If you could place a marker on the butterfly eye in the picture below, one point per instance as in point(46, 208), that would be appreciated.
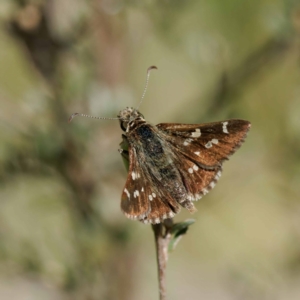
point(123, 125)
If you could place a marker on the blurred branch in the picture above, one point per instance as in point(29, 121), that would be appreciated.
point(230, 82)
point(167, 235)
point(58, 149)
point(31, 28)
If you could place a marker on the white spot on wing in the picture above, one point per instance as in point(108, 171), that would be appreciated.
point(142, 189)
point(171, 214)
point(204, 191)
point(197, 153)
point(127, 193)
point(157, 220)
point(190, 170)
point(136, 193)
point(225, 127)
point(142, 216)
point(195, 167)
point(197, 197)
point(187, 142)
point(208, 145)
point(197, 133)
point(153, 195)
point(132, 217)
point(135, 175)
point(150, 197)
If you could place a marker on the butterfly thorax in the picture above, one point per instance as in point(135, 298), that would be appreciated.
point(130, 118)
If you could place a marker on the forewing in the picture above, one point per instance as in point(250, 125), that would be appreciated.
point(143, 198)
point(207, 144)
point(200, 149)
point(134, 201)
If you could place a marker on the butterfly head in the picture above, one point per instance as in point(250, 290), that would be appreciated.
point(128, 117)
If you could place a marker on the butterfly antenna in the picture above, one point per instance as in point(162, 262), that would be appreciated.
point(146, 85)
point(88, 116)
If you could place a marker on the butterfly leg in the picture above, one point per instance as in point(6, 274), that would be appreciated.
point(123, 150)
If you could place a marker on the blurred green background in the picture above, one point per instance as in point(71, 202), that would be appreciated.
point(62, 234)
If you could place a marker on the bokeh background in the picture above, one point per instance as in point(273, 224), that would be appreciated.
point(62, 234)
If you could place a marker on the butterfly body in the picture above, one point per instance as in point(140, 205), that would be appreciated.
point(172, 165)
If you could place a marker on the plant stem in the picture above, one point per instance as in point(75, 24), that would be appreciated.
point(162, 235)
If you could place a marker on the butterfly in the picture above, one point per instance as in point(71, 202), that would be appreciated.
point(171, 165)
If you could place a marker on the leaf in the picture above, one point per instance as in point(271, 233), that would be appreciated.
point(177, 231)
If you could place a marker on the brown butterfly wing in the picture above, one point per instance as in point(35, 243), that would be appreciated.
point(143, 197)
point(134, 200)
point(208, 144)
point(199, 151)
point(160, 210)
point(197, 180)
